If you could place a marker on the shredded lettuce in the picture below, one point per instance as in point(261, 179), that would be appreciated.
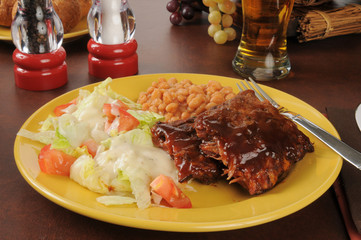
point(125, 162)
point(50, 123)
point(88, 173)
point(83, 172)
point(136, 137)
point(60, 142)
point(146, 118)
point(45, 137)
point(134, 154)
point(73, 130)
point(109, 92)
point(115, 200)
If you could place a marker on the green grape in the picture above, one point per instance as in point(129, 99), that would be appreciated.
point(231, 33)
point(209, 3)
point(227, 6)
point(220, 37)
point(213, 28)
point(214, 17)
point(215, 8)
point(227, 20)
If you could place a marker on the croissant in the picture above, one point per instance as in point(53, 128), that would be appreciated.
point(70, 12)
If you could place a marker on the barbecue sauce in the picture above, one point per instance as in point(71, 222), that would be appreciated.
point(179, 139)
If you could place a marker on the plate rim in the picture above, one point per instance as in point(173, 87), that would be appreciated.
point(174, 226)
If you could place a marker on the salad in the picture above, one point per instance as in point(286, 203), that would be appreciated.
point(102, 141)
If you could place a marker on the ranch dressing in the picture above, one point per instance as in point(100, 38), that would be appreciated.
point(141, 164)
point(137, 160)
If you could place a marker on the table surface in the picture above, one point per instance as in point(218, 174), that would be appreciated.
point(324, 73)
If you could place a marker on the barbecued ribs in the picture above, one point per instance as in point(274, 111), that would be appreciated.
point(180, 140)
point(254, 141)
point(256, 145)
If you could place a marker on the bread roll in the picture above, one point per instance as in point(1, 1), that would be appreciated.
point(84, 7)
point(70, 12)
point(6, 7)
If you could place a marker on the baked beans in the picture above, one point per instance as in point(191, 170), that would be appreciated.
point(180, 100)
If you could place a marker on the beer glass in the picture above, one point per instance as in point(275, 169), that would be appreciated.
point(262, 52)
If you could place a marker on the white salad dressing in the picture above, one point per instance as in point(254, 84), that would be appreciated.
point(139, 164)
point(75, 131)
point(92, 114)
point(151, 160)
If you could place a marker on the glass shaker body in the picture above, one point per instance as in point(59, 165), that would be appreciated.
point(36, 28)
point(111, 21)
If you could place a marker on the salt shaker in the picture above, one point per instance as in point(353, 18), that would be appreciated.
point(39, 58)
point(112, 47)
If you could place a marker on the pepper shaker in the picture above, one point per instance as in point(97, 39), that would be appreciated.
point(39, 58)
point(112, 47)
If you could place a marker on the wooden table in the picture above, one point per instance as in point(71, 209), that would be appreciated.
point(324, 73)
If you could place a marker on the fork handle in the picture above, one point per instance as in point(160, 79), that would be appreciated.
point(344, 150)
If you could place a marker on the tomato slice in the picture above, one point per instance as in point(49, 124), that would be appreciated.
point(118, 118)
point(59, 110)
point(121, 105)
point(111, 109)
point(126, 121)
point(107, 110)
point(54, 161)
point(91, 145)
point(170, 192)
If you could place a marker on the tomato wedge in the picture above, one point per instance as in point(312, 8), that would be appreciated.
point(54, 161)
point(118, 118)
point(91, 145)
point(170, 192)
point(111, 109)
point(59, 110)
point(126, 121)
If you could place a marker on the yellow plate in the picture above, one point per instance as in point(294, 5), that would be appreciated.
point(77, 32)
point(217, 207)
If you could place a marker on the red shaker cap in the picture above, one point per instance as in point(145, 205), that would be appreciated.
point(40, 72)
point(118, 60)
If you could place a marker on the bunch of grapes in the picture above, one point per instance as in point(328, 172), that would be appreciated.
point(220, 20)
point(179, 9)
point(183, 9)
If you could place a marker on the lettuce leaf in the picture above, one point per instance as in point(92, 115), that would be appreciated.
point(146, 118)
point(76, 132)
point(88, 173)
point(115, 200)
point(60, 142)
point(45, 137)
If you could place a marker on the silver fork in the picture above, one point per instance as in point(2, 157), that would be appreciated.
point(342, 149)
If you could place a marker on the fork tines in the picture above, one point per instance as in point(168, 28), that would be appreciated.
point(249, 86)
point(260, 94)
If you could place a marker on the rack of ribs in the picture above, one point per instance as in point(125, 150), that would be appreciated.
point(255, 144)
point(180, 140)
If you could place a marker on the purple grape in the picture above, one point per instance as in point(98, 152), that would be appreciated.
point(172, 6)
point(187, 12)
point(175, 18)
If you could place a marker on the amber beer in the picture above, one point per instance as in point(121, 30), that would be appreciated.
point(262, 52)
